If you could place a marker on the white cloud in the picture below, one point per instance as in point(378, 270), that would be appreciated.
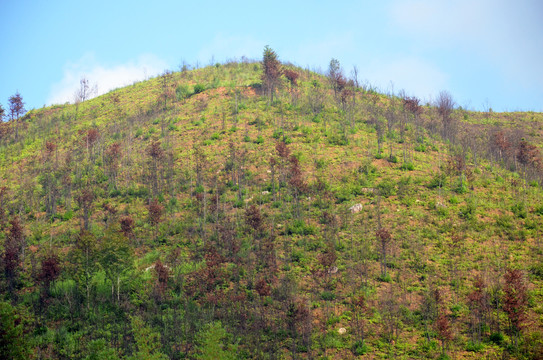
point(224, 47)
point(321, 51)
point(412, 74)
point(505, 34)
point(106, 78)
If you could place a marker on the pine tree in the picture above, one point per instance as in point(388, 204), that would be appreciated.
point(272, 72)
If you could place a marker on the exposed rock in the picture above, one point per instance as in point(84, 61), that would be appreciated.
point(356, 208)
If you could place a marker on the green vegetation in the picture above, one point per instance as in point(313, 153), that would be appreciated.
point(243, 212)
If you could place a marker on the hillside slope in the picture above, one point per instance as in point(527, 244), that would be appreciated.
point(189, 216)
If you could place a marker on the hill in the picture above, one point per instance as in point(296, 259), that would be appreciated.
point(201, 214)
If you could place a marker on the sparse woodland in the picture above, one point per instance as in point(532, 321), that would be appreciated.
point(258, 210)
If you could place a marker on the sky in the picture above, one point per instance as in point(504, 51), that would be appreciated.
point(486, 53)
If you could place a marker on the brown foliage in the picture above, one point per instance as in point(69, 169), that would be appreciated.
point(412, 105)
point(127, 226)
point(456, 164)
point(91, 137)
point(50, 270)
point(12, 250)
point(501, 141)
point(253, 218)
point(16, 106)
point(383, 235)
point(155, 212)
point(113, 153)
point(346, 94)
point(85, 200)
point(528, 154)
point(443, 328)
point(515, 298)
point(50, 148)
point(162, 275)
point(292, 77)
point(154, 150)
point(262, 287)
point(328, 258)
point(3, 192)
point(272, 71)
point(296, 179)
point(282, 149)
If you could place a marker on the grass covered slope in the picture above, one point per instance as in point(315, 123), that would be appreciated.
point(189, 216)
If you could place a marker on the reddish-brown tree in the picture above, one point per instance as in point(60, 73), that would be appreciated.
point(479, 303)
point(50, 270)
point(90, 138)
point(292, 76)
point(384, 237)
point(16, 110)
point(3, 195)
point(85, 200)
point(155, 214)
point(253, 218)
point(162, 275)
point(444, 331)
point(12, 252)
point(515, 300)
point(155, 152)
point(111, 159)
point(127, 226)
point(272, 72)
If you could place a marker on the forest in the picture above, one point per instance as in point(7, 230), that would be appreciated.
point(259, 210)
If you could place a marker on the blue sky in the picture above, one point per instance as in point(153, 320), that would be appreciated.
point(484, 52)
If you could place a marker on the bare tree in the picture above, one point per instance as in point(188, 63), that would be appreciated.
point(335, 77)
point(445, 106)
point(85, 91)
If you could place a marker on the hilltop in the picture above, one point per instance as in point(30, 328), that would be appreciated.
point(200, 214)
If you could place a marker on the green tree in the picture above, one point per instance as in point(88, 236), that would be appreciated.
point(147, 341)
point(213, 345)
point(100, 350)
point(12, 341)
point(114, 259)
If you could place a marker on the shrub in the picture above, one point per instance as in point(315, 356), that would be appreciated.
point(359, 348)
point(328, 296)
point(474, 347)
point(198, 88)
point(437, 181)
point(299, 227)
point(182, 92)
point(259, 140)
point(468, 212)
point(409, 166)
point(519, 209)
point(420, 148)
point(215, 136)
point(386, 188)
point(496, 338)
